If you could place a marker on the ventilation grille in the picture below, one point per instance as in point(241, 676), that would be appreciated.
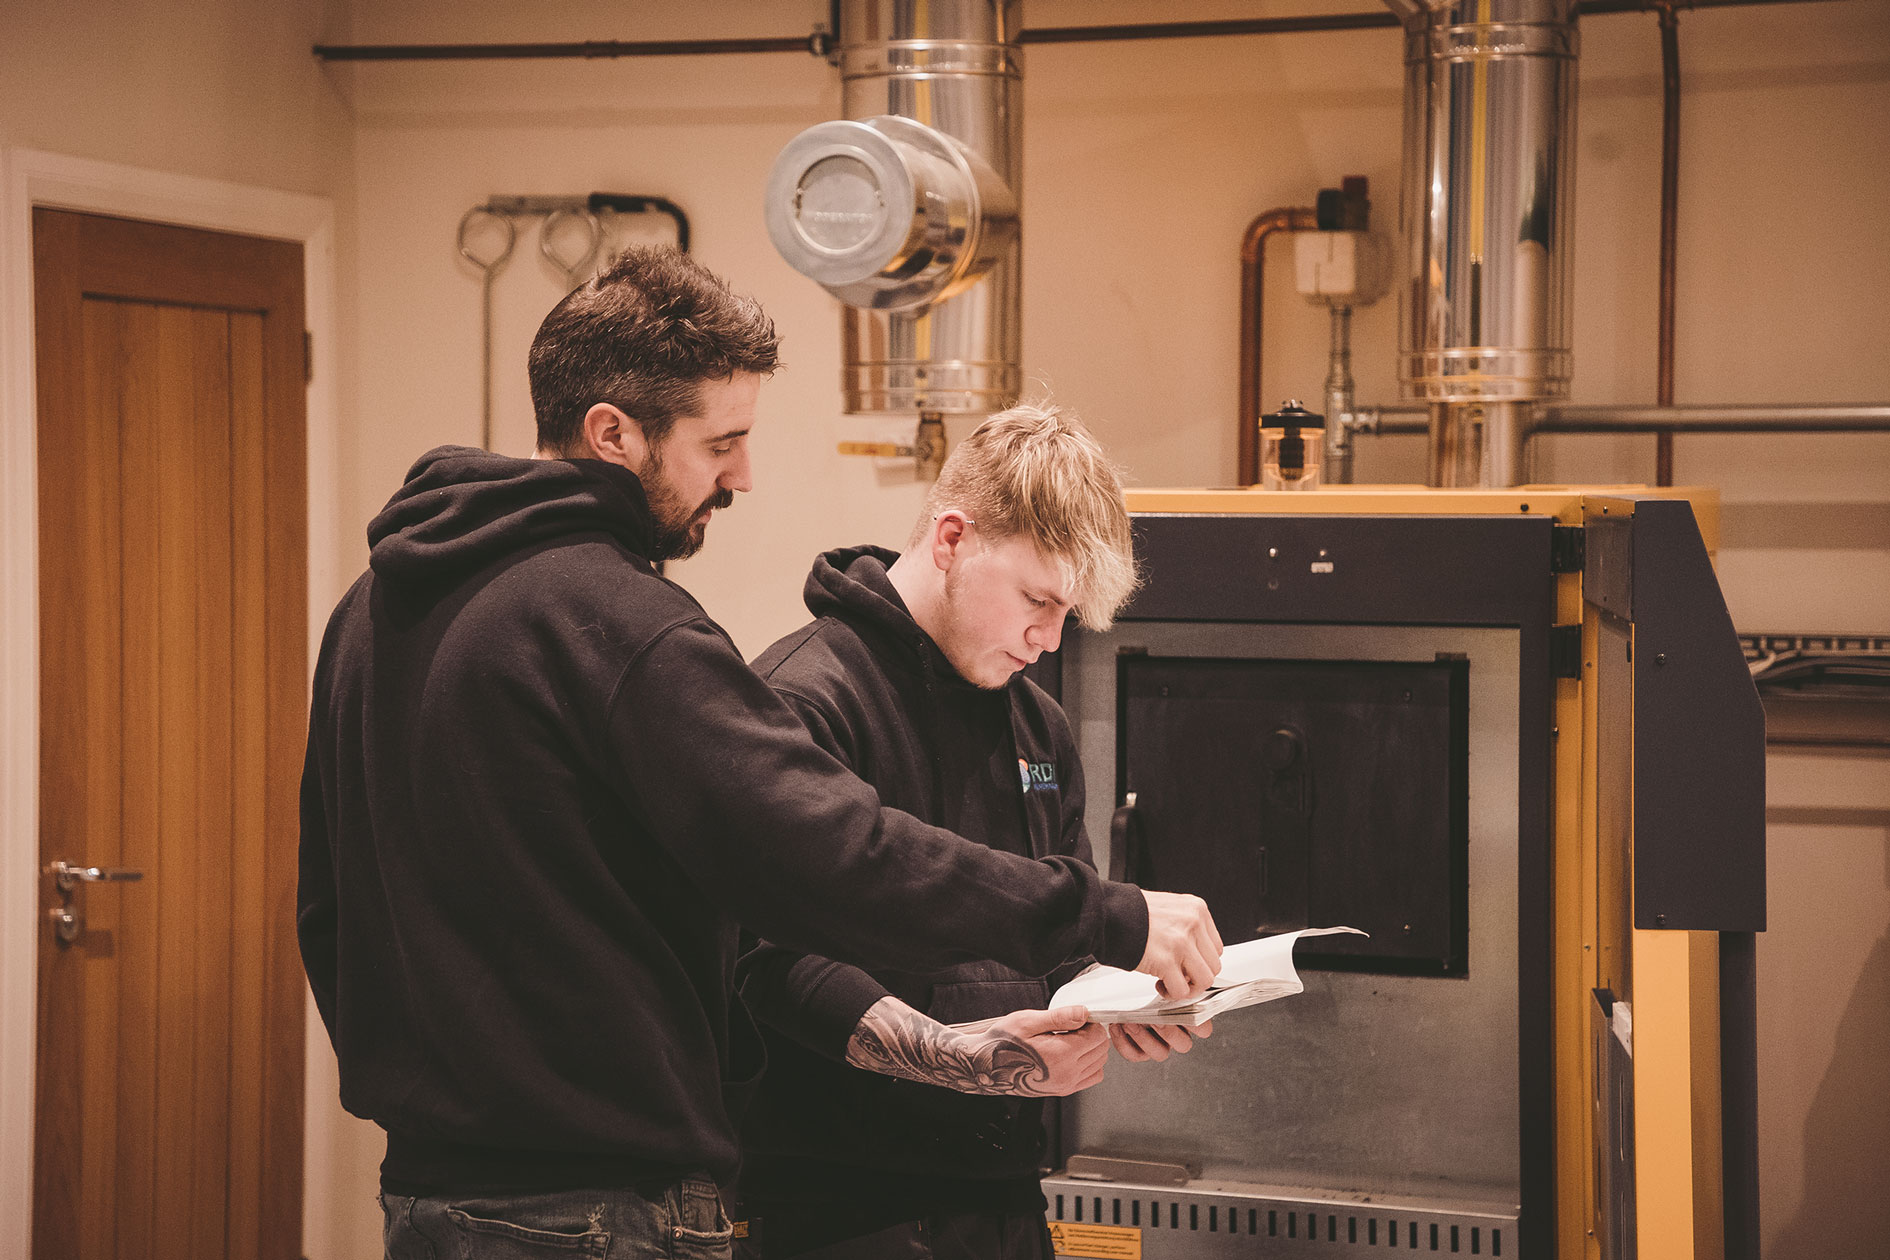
point(1759, 646)
point(1177, 1224)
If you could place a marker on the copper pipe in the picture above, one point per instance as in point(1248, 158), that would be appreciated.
point(1253, 248)
point(1669, 225)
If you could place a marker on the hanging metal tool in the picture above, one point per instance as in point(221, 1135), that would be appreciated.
point(611, 204)
point(473, 224)
point(488, 233)
point(583, 265)
point(605, 206)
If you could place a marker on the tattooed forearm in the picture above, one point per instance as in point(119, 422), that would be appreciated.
point(895, 1040)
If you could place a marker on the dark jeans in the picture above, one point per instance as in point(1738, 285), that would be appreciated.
point(946, 1236)
point(683, 1222)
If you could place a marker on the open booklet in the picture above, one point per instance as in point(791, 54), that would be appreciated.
point(1251, 972)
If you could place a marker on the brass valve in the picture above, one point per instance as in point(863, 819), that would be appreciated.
point(927, 450)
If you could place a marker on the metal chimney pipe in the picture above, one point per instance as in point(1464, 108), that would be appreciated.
point(908, 211)
point(1486, 214)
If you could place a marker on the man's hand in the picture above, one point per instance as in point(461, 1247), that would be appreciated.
point(1026, 1054)
point(1073, 1050)
point(1184, 947)
point(1139, 1043)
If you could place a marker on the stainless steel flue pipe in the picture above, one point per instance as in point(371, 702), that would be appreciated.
point(1487, 218)
point(908, 210)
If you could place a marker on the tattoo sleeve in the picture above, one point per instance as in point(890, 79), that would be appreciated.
point(895, 1040)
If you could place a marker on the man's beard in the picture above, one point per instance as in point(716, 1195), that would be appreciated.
point(678, 534)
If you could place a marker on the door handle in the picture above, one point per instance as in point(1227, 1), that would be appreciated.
point(68, 876)
point(68, 923)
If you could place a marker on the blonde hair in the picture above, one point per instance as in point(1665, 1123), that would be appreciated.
point(1037, 474)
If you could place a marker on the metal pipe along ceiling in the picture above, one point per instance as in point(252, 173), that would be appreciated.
point(1742, 418)
point(820, 43)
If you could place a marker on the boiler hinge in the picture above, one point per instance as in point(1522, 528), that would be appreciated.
point(1568, 548)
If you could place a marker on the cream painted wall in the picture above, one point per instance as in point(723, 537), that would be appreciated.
point(1824, 1008)
point(222, 90)
point(218, 89)
point(1144, 162)
point(435, 140)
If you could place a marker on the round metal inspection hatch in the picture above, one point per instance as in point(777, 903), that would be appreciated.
point(886, 213)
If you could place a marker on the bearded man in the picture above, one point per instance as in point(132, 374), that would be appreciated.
point(542, 789)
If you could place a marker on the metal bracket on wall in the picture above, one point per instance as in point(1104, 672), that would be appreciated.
point(1565, 650)
point(1568, 548)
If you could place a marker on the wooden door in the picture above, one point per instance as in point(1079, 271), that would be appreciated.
point(172, 590)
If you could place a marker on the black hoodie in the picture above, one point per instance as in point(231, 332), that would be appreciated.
point(541, 788)
point(833, 1151)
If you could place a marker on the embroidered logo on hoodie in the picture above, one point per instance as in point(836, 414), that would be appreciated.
point(1038, 776)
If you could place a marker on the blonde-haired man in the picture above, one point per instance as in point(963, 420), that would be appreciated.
point(879, 1131)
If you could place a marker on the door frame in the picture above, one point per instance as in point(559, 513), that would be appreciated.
point(30, 178)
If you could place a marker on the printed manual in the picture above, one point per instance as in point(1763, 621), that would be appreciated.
point(1251, 972)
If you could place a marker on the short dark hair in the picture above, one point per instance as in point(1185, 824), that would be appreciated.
point(643, 335)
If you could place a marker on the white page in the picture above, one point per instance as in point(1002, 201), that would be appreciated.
point(1111, 993)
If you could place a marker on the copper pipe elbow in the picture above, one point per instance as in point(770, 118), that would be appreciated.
point(1252, 275)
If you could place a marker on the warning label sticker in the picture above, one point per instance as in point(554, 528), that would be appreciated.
point(1098, 1242)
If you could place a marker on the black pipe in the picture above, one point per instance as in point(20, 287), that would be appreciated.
point(1199, 30)
point(820, 43)
point(625, 203)
point(1590, 8)
point(1739, 1091)
point(592, 49)
point(1669, 228)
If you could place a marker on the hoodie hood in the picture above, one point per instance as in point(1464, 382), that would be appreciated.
point(462, 508)
point(852, 583)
